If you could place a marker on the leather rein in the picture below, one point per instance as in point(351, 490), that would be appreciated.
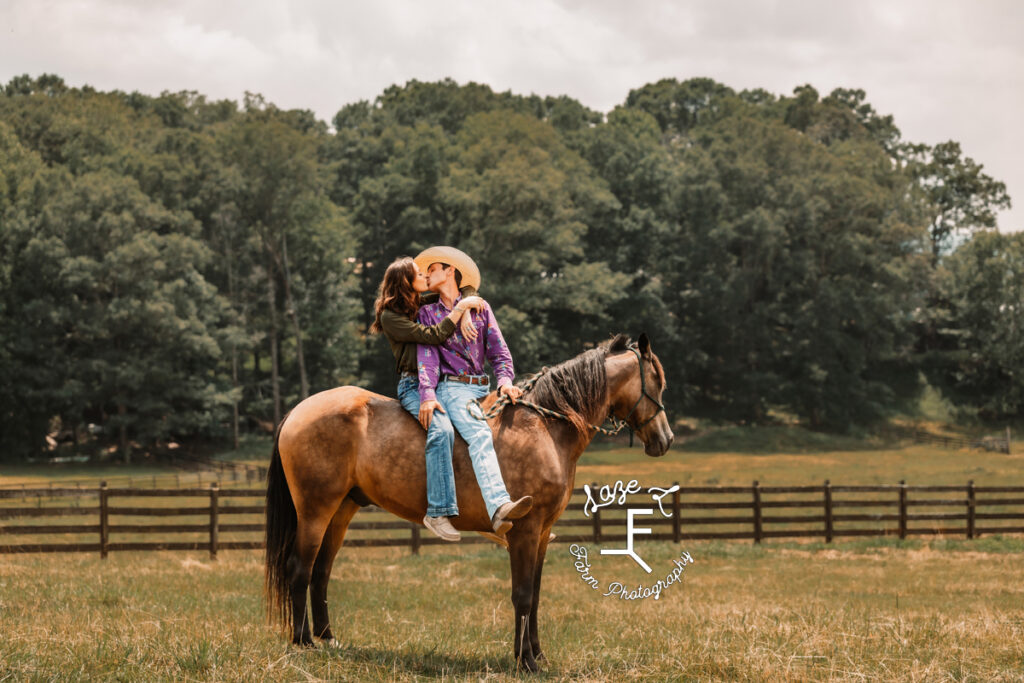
point(617, 425)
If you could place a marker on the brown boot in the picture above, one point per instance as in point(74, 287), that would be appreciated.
point(509, 511)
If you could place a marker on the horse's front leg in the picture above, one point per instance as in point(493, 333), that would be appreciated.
point(539, 567)
point(523, 554)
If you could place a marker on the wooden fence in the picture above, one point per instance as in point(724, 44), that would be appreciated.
point(229, 519)
point(195, 472)
point(1000, 443)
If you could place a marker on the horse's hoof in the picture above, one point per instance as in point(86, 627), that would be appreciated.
point(527, 665)
point(331, 644)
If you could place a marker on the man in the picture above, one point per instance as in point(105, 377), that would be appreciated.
point(453, 373)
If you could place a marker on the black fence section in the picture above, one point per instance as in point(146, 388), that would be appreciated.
point(216, 518)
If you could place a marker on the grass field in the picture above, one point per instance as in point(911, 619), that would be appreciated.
point(873, 609)
point(938, 611)
point(772, 455)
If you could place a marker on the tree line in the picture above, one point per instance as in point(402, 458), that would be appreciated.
point(175, 268)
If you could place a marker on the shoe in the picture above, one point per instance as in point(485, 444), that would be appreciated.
point(442, 528)
point(510, 510)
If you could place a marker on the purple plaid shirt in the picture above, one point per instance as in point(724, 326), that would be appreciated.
point(456, 356)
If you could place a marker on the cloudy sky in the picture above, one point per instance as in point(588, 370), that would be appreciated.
point(945, 69)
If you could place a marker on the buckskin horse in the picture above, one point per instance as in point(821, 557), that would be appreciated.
point(348, 447)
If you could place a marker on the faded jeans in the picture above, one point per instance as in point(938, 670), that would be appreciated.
point(477, 433)
point(441, 501)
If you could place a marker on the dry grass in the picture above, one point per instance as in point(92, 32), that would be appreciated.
point(917, 464)
point(860, 611)
point(877, 609)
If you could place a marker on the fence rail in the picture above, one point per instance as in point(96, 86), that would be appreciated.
point(692, 512)
point(205, 472)
point(989, 443)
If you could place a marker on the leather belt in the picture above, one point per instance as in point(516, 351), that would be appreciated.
point(466, 379)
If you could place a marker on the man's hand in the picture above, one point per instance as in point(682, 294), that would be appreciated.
point(513, 392)
point(427, 409)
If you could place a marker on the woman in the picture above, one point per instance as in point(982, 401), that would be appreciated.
point(398, 301)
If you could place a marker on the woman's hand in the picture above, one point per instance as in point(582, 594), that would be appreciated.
point(470, 303)
point(469, 330)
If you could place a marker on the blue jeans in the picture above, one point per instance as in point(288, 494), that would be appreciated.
point(441, 500)
point(477, 433)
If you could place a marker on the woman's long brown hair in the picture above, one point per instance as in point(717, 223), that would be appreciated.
point(396, 292)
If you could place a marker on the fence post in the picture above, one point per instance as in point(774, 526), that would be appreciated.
point(757, 512)
point(415, 541)
point(104, 521)
point(676, 523)
point(970, 509)
point(903, 508)
point(1008, 440)
point(596, 517)
point(214, 519)
point(828, 511)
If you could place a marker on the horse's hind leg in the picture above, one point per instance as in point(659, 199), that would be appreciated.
point(308, 537)
point(323, 565)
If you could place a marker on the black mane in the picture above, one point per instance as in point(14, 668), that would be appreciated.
point(577, 388)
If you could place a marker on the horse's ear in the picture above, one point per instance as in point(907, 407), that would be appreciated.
point(645, 344)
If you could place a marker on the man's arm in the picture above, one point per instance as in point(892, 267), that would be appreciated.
point(428, 366)
point(497, 351)
point(428, 361)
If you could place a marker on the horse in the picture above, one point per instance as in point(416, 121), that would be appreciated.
point(346, 448)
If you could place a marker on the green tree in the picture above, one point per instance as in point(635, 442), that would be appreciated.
point(980, 364)
point(279, 196)
point(520, 201)
point(28, 304)
point(792, 269)
point(113, 281)
point(678, 107)
point(957, 196)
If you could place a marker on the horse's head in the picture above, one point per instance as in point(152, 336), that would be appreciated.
point(636, 385)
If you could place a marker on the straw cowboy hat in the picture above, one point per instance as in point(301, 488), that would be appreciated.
point(453, 257)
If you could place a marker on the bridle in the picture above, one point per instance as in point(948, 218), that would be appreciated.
point(643, 394)
point(617, 425)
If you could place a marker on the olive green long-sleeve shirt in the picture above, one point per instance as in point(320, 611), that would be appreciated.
point(404, 334)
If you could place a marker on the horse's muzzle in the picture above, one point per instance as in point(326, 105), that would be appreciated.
point(658, 443)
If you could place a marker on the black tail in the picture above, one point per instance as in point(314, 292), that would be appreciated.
point(281, 524)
